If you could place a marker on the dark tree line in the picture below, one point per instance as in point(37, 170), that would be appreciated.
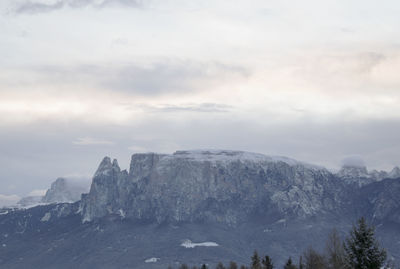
point(360, 250)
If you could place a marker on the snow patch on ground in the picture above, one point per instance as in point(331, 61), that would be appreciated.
point(86, 219)
point(4, 245)
point(31, 206)
point(4, 213)
point(46, 217)
point(150, 260)
point(122, 213)
point(281, 221)
point(189, 244)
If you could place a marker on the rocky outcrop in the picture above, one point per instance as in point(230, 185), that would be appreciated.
point(210, 186)
point(395, 173)
point(380, 201)
point(360, 176)
point(64, 191)
point(227, 202)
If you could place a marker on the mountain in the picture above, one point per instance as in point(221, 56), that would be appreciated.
point(198, 207)
point(395, 173)
point(381, 201)
point(62, 190)
point(65, 191)
point(212, 186)
point(359, 175)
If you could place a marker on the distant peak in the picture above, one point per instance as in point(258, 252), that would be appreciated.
point(353, 170)
point(106, 161)
point(115, 163)
point(106, 166)
point(59, 180)
point(395, 173)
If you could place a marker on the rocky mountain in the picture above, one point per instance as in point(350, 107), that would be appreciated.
point(198, 207)
point(360, 175)
point(395, 173)
point(211, 186)
point(62, 190)
point(65, 191)
point(381, 201)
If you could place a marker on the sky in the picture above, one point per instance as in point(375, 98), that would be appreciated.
point(314, 80)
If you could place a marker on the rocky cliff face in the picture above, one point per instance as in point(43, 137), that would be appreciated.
point(360, 176)
point(273, 204)
point(213, 186)
point(380, 201)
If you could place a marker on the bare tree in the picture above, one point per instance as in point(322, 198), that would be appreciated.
point(233, 265)
point(220, 266)
point(313, 260)
point(334, 251)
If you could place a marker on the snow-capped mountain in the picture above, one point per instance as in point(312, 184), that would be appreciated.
point(217, 186)
point(62, 190)
point(227, 202)
point(360, 175)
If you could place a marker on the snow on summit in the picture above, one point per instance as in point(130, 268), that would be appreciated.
point(218, 155)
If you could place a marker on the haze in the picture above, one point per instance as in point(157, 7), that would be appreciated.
point(317, 81)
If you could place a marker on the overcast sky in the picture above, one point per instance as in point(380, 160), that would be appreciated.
point(313, 80)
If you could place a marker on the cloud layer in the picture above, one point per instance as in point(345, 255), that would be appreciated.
point(41, 6)
point(82, 79)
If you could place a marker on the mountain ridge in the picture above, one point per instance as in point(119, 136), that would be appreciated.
point(148, 213)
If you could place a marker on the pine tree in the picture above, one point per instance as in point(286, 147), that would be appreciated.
point(204, 266)
point(255, 261)
point(289, 264)
point(267, 263)
point(362, 249)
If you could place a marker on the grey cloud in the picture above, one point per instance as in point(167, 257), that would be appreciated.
point(203, 108)
point(34, 7)
point(171, 76)
point(369, 60)
point(8, 200)
point(356, 161)
point(45, 150)
point(88, 141)
point(160, 78)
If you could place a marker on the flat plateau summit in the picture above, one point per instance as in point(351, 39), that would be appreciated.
point(223, 204)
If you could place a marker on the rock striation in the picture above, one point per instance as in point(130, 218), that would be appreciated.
point(360, 176)
point(196, 207)
point(211, 186)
